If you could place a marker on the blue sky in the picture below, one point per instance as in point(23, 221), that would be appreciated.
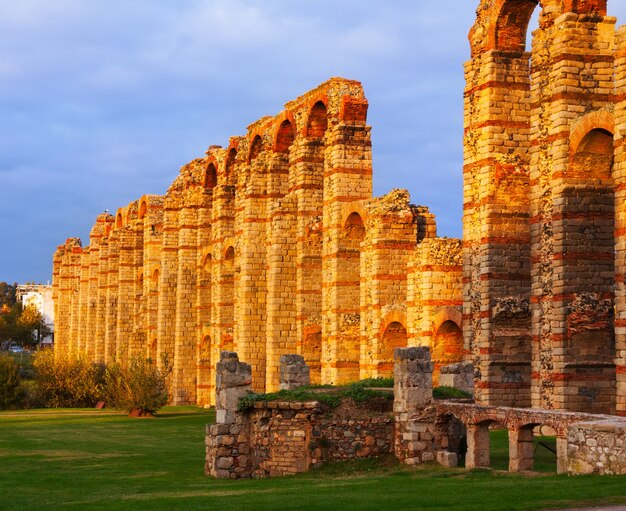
point(102, 102)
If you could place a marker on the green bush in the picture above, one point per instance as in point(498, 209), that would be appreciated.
point(66, 381)
point(449, 393)
point(11, 393)
point(140, 385)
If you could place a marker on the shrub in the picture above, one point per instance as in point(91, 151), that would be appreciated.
point(66, 381)
point(11, 393)
point(449, 393)
point(140, 385)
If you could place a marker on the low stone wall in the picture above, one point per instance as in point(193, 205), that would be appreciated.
point(282, 438)
point(597, 447)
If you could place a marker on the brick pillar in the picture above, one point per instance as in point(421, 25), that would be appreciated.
point(184, 377)
point(137, 339)
point(82, 339)
point(111, 298)
point(520, 449)
point(281, 288)
point(306, 183)
point(478, 445)
point(251, 286)
point(619, 176)
point(233, 379)
point(204, 259)
point(347, 179)
point(125, 292)
point(389, 243)
point(294, 372)
point(56, 296)
point(101, 301)
point(95, 243)
point(572, 204)
point(496, 256)
point(152, 240)
point(223, 293)
point(167, 278)
point(75, 257)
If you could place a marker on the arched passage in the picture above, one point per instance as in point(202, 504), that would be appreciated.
point(447, 347)
point(394, 336)
point(255, 148)
point(285, 135)
point(318, 121)
point(210, 177)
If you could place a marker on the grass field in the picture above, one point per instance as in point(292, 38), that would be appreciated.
point(102, 460)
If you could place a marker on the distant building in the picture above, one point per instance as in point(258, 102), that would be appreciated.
point(40, 297)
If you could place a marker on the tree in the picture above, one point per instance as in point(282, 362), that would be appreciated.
point(25, 325)
point(8, 294)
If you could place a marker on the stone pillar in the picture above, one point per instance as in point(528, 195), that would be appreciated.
point(347, 179)
point(233, 379)
point(619, 176)
point(477, 447)
point(520, 449)
point(184, 374)
point(413, 380)
point(496, 222)
point(391, 230)
point(561, 455)
point(294, 372)
point(110, 313)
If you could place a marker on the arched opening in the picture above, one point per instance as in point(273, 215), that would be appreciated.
point(143, 209)
point(312, 352)
point(447, 347)
point(285, 136)
point(255, 148)
point(354, 228)
point(584, 229)
point(155, 277)
point(512, 24)
point(318, 120)
point(119, 220)
point(230, 163)
point(210, 177)
point(395, 336)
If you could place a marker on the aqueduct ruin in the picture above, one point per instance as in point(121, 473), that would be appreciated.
point(274, 244)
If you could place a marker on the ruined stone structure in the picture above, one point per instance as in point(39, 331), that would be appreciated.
point(274, 245)
point(544, 210)
point(270, 246)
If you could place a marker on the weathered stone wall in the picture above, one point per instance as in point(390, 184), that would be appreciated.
point(597, 448)
point(270, 246)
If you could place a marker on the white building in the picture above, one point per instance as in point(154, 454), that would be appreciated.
point(40, 297)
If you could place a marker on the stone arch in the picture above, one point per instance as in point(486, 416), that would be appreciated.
point(284, 136)
point(229, 167)
point(143, 209)
point(354, 228)
point(155, 276)
point(119, 219)
point(447, 346)
point(512, 24)
point(318, 120)
point(393, 335)
point(256, 147)
point(210, 177)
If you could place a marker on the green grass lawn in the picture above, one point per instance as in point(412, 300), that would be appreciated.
point(102, 460)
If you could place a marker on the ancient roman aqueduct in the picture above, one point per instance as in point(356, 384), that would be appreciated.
point(274, 244)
